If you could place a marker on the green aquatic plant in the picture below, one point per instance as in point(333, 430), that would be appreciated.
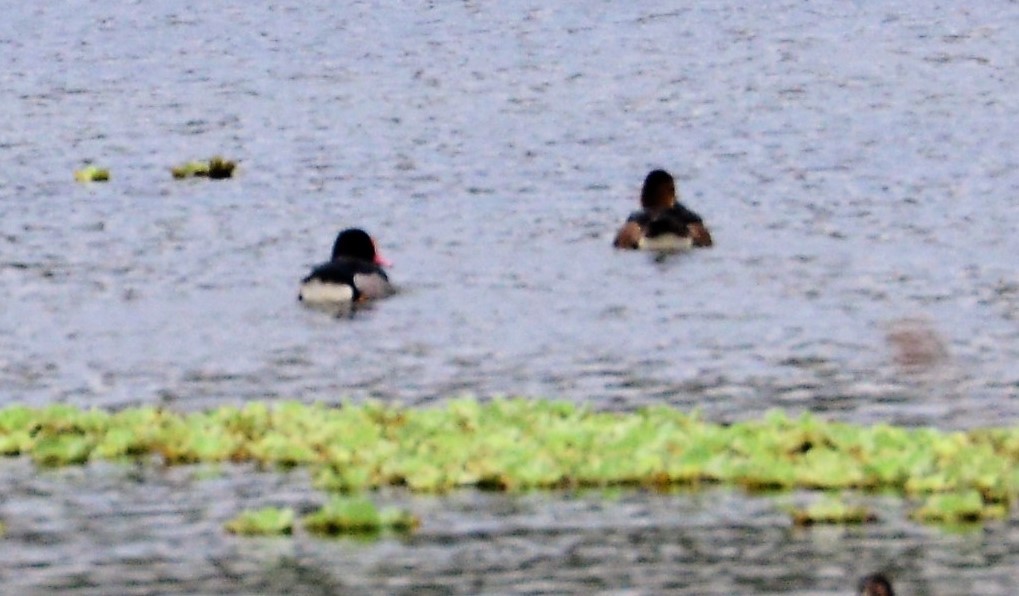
point(190, 169)
point(196, 438)
point(215, 168)
point(62, 450)
point(958, 508)
point(831, 510)
point(16, 443)
point(220, 168)
point(519, 444)
point(354, 515)
point(92, 173)
point(16, 418)
point(268, 521)
point(130, 433)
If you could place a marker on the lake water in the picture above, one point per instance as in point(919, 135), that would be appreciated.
point(857, 163)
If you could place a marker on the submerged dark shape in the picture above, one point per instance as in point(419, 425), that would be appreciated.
point(916, 344)
point(875, 584)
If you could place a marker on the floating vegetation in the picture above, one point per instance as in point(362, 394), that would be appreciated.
point(92, 174)
point(268, 521)
point(519, 444)
point(354, 515)
point(190, 169)
point(215, 168)
point(832, 511)
point(958, 508)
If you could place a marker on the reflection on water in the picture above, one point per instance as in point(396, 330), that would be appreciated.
point(856, 163)
point(141, 531)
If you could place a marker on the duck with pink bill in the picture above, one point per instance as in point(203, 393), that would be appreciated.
point(354, 274)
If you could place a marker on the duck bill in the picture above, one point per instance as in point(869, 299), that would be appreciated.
point(380, 260)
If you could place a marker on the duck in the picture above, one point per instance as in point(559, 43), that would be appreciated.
point(354, 273)
point(662, 223)
point(875, 584)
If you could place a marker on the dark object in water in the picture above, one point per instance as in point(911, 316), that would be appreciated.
point(915, 344)
point(216, 168)
point(220, 168)
point(875, 584)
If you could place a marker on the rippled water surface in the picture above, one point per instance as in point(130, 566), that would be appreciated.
point(856, 162)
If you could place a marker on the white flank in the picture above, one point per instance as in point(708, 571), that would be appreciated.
point(372, 286)
point(318, 292)
point(666, 242)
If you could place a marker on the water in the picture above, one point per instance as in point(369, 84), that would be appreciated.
point(856, 162)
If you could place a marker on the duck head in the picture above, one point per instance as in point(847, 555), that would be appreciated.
point(659, 192)
point(355, 243)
